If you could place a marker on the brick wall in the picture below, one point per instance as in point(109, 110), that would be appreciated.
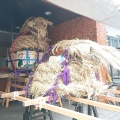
point(101, 33)
point(101, 39)
point(82, 28)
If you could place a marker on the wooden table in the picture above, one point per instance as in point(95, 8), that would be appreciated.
point(10, 77)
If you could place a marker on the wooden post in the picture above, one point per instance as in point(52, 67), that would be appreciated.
point(6, 89)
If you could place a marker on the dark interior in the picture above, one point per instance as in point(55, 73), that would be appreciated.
point(13, 13)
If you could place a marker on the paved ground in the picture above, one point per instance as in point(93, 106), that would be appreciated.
point(15, 112)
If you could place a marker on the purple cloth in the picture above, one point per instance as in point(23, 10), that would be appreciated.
point(65, 75)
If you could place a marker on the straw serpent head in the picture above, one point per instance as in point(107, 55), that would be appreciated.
point(36, 26)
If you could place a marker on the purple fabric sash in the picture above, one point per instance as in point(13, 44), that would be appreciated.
point(45, 56)
point(64, 75)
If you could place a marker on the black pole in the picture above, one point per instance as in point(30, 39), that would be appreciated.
point(95, 111)
point(89, 110)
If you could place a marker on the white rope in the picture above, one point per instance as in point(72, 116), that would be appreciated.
point(41, 101)
point(15, 94)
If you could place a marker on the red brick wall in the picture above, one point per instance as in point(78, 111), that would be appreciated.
point(101, 33)
point(101, 39)
point(82, 28)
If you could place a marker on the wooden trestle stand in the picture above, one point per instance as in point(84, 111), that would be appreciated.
point(40, 102)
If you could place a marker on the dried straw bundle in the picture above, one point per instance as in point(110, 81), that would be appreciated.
point(29, 41)
point(26, 41)
point(85, 59)
point(36, 26)
point(38, 29)
point(80, 48)
point(82, 83)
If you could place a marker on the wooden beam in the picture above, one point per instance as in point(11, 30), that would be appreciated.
point(18, 79)
point(111, 98)
point(94, 103)
point(37, 101)
point(112, 91)
point(20, 98)
point(34, 101)
point(1, 92)
point(17, 86)
point(11, 75)
point(9, 95)
point(68, 112)
point(57, 109)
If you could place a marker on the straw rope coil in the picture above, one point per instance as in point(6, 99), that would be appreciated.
point(29, 41)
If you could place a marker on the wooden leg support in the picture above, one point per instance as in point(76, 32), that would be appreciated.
point(11, 82)
point(7, 89)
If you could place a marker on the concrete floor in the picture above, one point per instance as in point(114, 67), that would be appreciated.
point(15, 112)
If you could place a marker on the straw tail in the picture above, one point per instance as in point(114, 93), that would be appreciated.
point(80, 48)
point(106, 54)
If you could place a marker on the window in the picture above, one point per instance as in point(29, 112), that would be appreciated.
point(114, 42)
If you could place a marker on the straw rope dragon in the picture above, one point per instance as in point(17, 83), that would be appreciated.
point(74, 72)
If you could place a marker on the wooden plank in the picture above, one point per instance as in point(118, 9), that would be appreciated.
point(18, 79)
point(7, 75)
point(94, 103)
point(68, 112)
point(8, 95)
point(22, 99)
point(17, 86)
point(112, 91)
point(4, 75)
point(111, 98)
point(1, 92)
point(34, 101)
